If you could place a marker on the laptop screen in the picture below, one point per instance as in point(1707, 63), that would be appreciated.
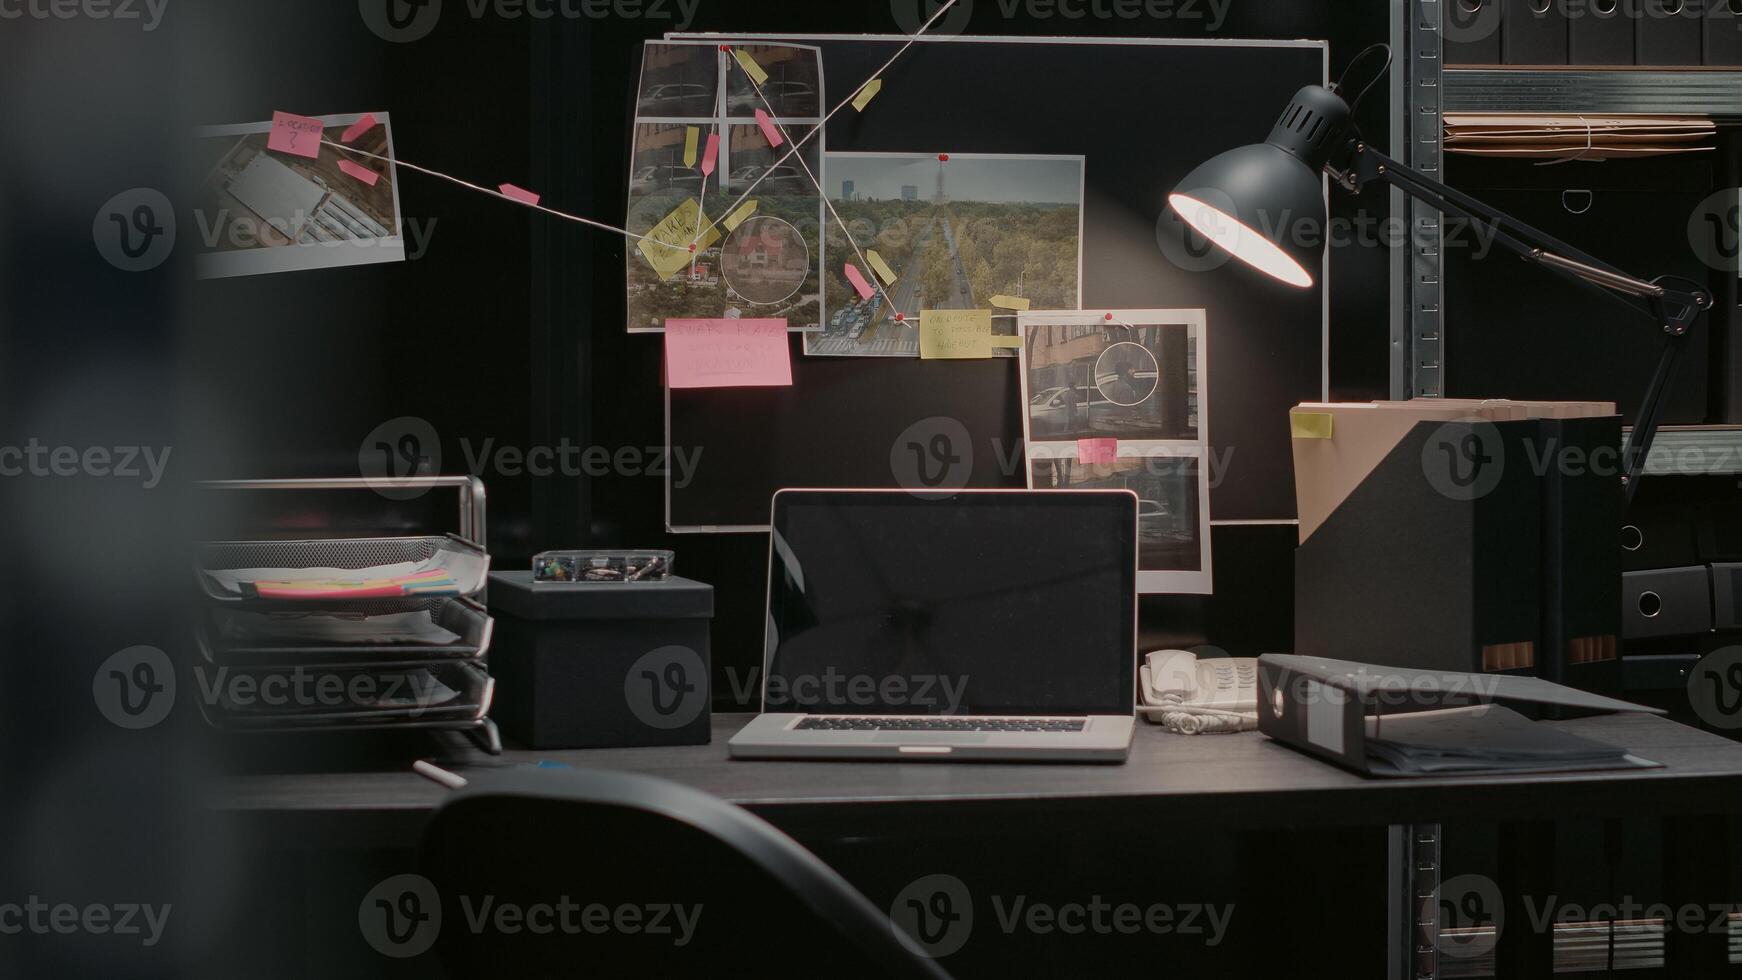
point(990, 603)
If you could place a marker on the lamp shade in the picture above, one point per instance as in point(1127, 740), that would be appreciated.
point(1265, 203)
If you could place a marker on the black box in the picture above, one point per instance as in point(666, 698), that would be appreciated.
point(1472, 32)
point(1669, 32)
point(601, 665)
point(1534, 32)
point(1723, 33)
point(1599, 32)
point(1581, 606)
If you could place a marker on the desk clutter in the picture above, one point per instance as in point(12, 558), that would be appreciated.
point(348, 635)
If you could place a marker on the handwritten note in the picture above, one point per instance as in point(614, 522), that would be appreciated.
point(1092, 452)
point(297, 135)
point(711, 155)
point(751, 68)
point(520, 194)
point(884, 272)
point(667, 245)
point(857, 278)
point(955, 334)
point(727, 354)
point(867, 93)
point(359, 171)
point(359, 127)
point(1009, 303)
point(691, 137)
point(769, 133)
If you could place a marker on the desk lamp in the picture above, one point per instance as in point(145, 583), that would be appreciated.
point(1230, 198)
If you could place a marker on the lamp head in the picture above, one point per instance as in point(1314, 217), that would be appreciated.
point(1248, 200)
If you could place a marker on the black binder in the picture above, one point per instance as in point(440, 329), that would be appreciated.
point(1581, 582)
point(1472, 32)
point(1534, 32)
point(1669, 32)
point(1599, 32)
point(1723, 34)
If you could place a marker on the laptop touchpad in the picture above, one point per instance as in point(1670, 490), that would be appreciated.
point(933, 738)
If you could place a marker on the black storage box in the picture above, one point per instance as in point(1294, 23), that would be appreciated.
point(601, 665)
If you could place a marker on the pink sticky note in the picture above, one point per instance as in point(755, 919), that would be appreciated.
point(727, 354)
point(520, 194)
point(711, 155)
point(1092, 451)
point(295, 134)
point(358, 128)
point(768, 131)
point(359, 171)
point(857, 278)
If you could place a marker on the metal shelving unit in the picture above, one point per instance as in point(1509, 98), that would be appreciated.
point(1417, 139)
point(1716, 93)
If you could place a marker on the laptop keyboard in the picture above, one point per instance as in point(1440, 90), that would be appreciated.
point(844, 724)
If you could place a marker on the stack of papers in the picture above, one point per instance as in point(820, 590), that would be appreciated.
point(1481, 739)
point(1574, 137)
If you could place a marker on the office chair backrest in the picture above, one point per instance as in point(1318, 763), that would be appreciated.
point(608, 874)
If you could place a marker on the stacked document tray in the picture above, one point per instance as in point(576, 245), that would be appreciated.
point(349, 634)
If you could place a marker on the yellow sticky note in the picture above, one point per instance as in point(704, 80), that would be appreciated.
point(884, 272)
point(867, 93)
point(739, 216)
point(1010, 303)
point(955, 334)
point(1311, 425)
point(667, 246)
point(690, 140)
point(750, 66)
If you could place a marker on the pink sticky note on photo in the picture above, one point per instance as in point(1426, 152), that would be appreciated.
point(768, 131)
point(857, 278)
point(711, 155)
point(727, 354)
point(1097, 451)
point(294, 134)
point(359, 171)
point(520, 194)
point(358, 128)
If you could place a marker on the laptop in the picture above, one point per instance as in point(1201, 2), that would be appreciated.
point(977, 625)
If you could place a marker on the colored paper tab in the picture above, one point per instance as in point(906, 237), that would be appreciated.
point(727, 354)
point(359, 171)
point(520, 194)
point(1311, 425)
point(711, 155)
point(667, 245)
point(294, 134)
point(867, 93)
point(769, 133)
point(857, 278)
point(740, 216)
point(1010, 303)
point(690, 139)
point(884, 272)
point(1007, 343)
point(751, 68)
point(955, 334)
point(1091, 452)
point(359, 127)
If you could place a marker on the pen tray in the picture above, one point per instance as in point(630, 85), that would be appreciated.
point(242, 637)
point(467, 563)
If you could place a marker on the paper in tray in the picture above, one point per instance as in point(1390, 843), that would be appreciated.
point(431, 568)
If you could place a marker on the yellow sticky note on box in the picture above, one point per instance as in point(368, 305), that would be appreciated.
point(667, 246)
point(1010, 303)
point(955, 334)
point(1311, 425)
point(755, 70)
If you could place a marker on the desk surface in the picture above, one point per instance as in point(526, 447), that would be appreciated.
point(1233, 780)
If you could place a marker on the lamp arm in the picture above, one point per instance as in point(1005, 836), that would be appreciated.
point(1674, 310)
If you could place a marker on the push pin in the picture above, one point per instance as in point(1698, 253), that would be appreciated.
point(692, 248)
point(900, 318)
point(943, 158)
point(1109, 316)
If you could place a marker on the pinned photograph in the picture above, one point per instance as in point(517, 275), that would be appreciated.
point(730, 220)
point(945, 231)
point(276, 198)
point(1114, 400)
